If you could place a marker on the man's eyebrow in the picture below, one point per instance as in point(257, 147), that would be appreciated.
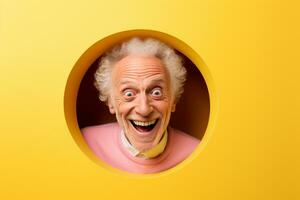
point(121, 82)
point(157, 80)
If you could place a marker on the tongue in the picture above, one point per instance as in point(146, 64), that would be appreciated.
point(143, 128)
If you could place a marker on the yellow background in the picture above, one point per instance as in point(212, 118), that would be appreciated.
point(251, 49)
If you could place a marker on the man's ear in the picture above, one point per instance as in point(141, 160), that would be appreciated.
point(110, 106)
point(173, 107)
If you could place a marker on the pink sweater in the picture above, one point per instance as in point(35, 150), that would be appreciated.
point(105, 142)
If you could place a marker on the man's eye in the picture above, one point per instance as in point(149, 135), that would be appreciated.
point(156, 92)
point(128, 93)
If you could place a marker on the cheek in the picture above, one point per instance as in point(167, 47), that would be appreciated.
point(124, 108)
point(163, 107)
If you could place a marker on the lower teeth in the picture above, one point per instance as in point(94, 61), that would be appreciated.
point(144, 128)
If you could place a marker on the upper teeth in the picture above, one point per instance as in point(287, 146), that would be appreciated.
point(139, 123)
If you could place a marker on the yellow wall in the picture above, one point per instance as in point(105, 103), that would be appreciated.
point(251, 50)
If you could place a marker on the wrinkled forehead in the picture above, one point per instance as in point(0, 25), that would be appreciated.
point(139, 67)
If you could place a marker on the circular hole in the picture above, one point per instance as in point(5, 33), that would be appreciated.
point(83, 108)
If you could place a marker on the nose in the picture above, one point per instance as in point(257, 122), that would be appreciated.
point(144, 108)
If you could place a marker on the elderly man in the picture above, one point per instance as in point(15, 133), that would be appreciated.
point(140, 81)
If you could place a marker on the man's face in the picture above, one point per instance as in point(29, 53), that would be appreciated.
point(141, 99)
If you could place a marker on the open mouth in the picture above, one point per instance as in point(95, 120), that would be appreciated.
point(144, 126)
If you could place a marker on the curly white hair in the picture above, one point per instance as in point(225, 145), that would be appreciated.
point(145, 47)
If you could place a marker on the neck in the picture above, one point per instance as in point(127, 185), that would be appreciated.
point(150, 153)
